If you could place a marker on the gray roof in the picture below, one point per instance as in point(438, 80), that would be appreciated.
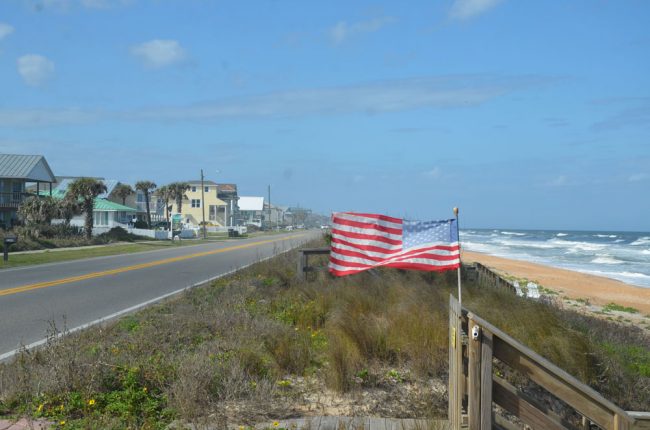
point(205, 182)
point(27, 167)
point(110, 186)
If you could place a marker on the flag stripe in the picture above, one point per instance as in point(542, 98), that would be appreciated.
point(360, 218)
point(438, 250)
point(368, 237)
point(361, 244)
point(340, 222)
point(371, 216)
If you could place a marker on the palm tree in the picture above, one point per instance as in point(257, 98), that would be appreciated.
point(164, 193)
point(86, 190)
point(178, 190)
point(123, 191)
point(68, 208)
point(146, 187)
point(36, 211)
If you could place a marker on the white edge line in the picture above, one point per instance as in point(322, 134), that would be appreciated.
point(38, 343)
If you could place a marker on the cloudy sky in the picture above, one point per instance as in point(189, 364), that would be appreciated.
point(525, 114)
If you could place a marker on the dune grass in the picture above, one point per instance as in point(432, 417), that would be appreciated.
point(259, 345)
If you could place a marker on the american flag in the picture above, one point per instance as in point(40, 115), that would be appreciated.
point(365, 241)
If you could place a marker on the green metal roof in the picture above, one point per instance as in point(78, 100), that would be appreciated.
point(107, 205)
point(99, 205)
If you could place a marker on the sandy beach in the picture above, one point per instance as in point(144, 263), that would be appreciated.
point(568, 283)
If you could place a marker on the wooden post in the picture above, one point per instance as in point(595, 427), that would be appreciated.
point(455, 363)
point(300, 269)
point(486, 379)
point(474, 376)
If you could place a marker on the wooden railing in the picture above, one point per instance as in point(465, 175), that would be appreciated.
point(303, 260)
point(487, 277)
point(474, 388)
point(13, 200)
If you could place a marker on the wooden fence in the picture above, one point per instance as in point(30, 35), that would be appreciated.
point(476, 345)
point(303, 260)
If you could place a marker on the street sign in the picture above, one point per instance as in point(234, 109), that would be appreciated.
point(177, 225)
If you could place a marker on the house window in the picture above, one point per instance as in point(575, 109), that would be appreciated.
point(207, 189)
point(100, 218)
point(196, 203)
point(194, 189)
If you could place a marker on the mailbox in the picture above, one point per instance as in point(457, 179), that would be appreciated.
point(9, 240)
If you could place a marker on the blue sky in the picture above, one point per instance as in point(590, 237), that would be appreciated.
point(524, 114)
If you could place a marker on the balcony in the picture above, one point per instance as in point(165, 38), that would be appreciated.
point(12, 200)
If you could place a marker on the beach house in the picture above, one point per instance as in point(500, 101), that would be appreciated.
point(17, 172)
point(107, 212)
point(206, 199)
point(250, 210)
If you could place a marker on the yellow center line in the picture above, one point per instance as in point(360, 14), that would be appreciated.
point(71, 279)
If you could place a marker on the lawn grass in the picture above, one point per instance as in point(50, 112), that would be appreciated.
point(53, 256)
point(260, 345)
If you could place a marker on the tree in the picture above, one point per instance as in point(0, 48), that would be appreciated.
point(123, 191)
point(67, 208)
point(178, 190)
point(146, 187)
point(36, 211)
point(164, 193)
point(86, 190)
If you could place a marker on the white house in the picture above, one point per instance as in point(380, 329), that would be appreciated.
point(250, 210)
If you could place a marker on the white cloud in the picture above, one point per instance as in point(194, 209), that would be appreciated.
point(369, 98)
point(638, 177)
point(159, 53)
point(35, 69)
point(342, 30)
point(558, 181)
point(433, 173)
point(5, 30)
point(464, 9)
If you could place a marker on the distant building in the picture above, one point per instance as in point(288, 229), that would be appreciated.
point(277, 215)
point(17, 174)
point(250, 210)
point(197, 200)
point(228, 193)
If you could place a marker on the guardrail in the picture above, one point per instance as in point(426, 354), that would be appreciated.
point(474, 388)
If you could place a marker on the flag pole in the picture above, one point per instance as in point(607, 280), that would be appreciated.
point(460, 297)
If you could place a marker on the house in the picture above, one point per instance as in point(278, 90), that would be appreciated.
point(228, 193)
point(206, 199)
point(250, 210)
point(277, 215)
point(107, 213)
point(17, 172)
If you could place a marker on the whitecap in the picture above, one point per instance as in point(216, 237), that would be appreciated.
point(606, 259)
point(611, 236)
point(641, 241)
point(512, 233)
point(561, 234)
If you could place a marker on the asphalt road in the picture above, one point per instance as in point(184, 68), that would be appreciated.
point(83, 292)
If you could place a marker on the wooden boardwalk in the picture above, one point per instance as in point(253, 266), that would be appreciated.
point(355, 423)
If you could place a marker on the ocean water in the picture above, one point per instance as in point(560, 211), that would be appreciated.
point(618, 255)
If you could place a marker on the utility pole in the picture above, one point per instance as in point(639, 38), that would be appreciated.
point(270, 223)
point(205, 232)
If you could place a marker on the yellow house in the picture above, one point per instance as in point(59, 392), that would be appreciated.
point(194, 204)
